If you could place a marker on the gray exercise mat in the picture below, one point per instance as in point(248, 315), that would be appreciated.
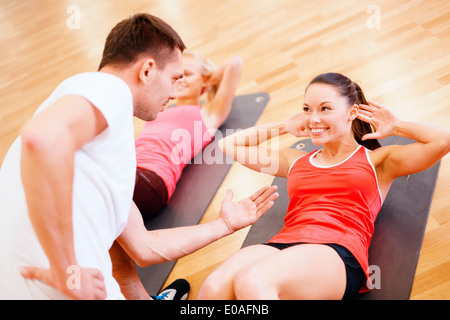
point(199, 183)
point(399, 228)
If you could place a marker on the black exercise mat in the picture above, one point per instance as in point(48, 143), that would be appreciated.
point(399, 228)
point(199, 183)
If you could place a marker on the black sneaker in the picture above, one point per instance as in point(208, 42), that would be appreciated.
point(177, 290)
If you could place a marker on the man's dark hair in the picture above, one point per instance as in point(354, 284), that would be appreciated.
point(138, 34)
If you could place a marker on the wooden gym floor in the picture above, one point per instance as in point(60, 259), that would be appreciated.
point(399, 50)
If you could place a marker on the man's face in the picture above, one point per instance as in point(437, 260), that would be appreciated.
point(160, 88)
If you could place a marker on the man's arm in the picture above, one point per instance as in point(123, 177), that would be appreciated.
point(49, 143)
point(152, 247)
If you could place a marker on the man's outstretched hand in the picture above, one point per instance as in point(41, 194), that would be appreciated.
point(238, 215)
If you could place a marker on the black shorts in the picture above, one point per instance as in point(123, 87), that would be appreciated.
point(353, 270)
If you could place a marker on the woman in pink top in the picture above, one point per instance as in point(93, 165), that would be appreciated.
point(335, 194)
point(167, 144)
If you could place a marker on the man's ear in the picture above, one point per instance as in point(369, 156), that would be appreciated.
point(146, 69)
point(354, 110)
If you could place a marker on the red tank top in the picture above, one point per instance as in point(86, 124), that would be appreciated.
point(168, 143)
point(333, 204)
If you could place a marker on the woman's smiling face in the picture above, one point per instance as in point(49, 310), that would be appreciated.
point(192, 84)
point(328, 113)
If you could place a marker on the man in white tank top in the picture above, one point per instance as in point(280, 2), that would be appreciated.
point(67, 182)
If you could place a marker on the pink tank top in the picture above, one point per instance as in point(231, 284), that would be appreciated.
point(167, 144)
point(333, 204)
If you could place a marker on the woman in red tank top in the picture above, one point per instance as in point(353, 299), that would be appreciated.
point(335, 194)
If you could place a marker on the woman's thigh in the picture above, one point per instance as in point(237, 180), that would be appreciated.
point(305, 271)
point(219, 284)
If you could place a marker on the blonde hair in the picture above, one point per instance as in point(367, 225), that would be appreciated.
point(207, 69)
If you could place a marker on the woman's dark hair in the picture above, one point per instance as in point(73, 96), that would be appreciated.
point(140, 33)
point(354, 94)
